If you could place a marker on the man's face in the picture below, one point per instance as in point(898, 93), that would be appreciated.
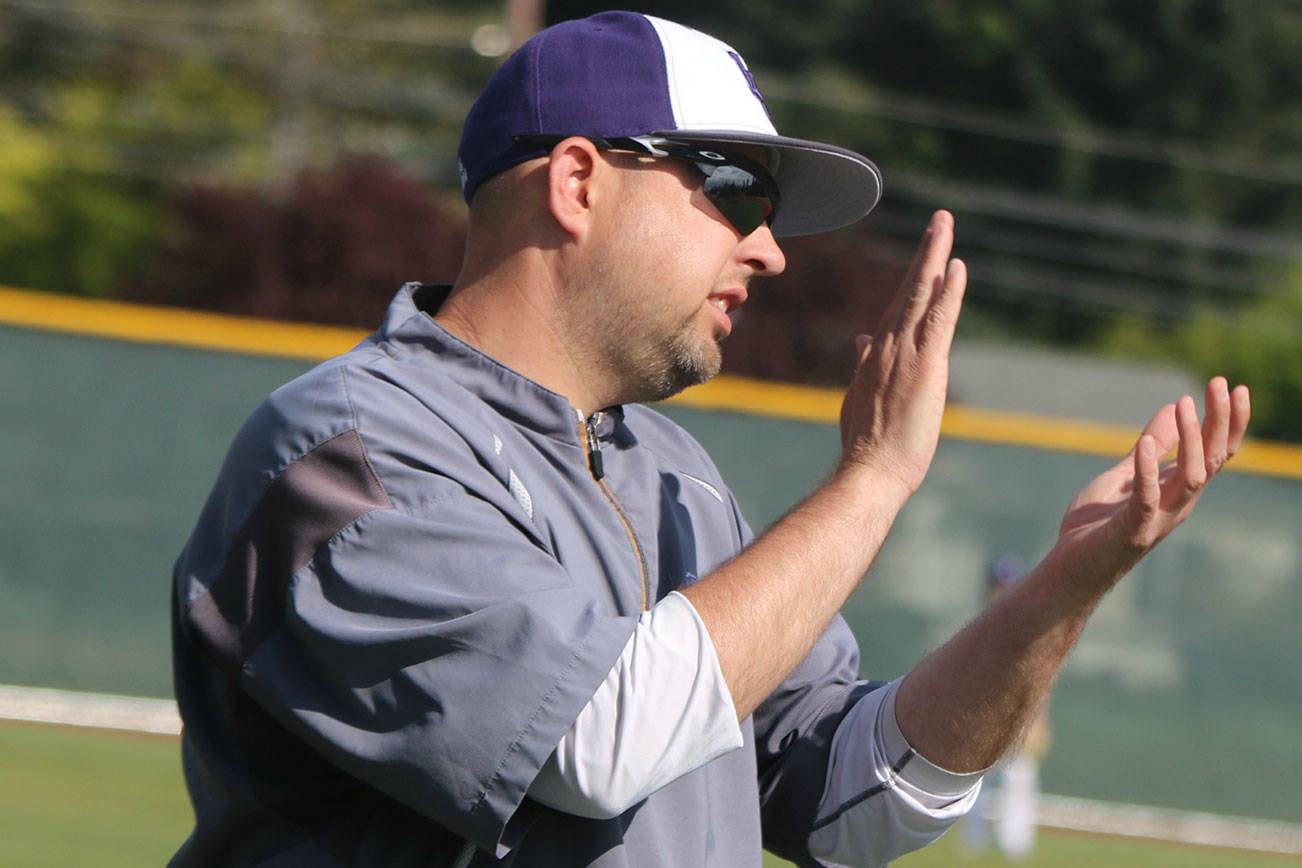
point(668, 271)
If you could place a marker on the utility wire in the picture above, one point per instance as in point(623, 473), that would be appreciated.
point(376, 95)
point(1010, 278)
point(1075, 137)
point(989, 277)
point(238, 20)
point(894, 106)
point(1099, 219)
point(1102, 301)
point(977, 236)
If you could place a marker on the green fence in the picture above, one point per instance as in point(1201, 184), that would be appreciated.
point(1185, 691)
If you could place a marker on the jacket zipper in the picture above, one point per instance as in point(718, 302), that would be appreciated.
point(588, 433)
point(594, 447)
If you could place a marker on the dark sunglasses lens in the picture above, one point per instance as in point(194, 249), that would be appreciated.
point(746, 215)
point(740, 196)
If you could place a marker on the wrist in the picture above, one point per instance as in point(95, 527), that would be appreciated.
point(874, 484)
point(1075, 582)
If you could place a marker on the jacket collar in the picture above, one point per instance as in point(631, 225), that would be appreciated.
point(409, 328)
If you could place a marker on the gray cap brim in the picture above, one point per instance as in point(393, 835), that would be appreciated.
point(823, 187)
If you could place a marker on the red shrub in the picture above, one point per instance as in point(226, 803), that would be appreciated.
point(334, 250)
point(342, 241)
point(799, 327)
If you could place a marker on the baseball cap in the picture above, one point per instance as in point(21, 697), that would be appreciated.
point(622, 74)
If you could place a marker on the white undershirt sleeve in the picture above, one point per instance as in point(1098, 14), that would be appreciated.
point(882, 799)
point(663, 711)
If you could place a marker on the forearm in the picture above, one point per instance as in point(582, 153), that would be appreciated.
point(765, 609)
point(967, 702)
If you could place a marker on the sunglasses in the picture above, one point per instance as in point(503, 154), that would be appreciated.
point(742, 189)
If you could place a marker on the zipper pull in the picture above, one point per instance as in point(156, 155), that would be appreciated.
point(594, 450)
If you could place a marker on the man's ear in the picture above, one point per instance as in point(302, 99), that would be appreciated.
point(572, 174)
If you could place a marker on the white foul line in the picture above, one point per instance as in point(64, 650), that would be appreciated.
point(1166, 824)
point(73, 708)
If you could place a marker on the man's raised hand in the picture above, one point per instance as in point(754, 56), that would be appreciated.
point(890, 418)
point(1127, 510)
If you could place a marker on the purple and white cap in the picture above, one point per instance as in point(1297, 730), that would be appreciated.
point(618, 74)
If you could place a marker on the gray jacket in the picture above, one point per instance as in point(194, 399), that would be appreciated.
point(411, 575)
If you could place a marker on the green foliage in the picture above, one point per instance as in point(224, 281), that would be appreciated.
point(106, 119)
point(195, 111)
point(1221, 73)
point(64, 225)
point(1259, 344)
point(1116, 167)
point(1125, 173)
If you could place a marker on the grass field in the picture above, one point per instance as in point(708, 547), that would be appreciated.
point(100, 799)
point(1055, 849)
point(89, 798)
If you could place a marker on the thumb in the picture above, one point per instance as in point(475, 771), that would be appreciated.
point(1147, 493)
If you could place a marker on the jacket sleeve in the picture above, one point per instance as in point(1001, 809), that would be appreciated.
point(794, 729)
point(435, 652)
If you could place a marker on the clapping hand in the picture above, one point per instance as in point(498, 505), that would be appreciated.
point(890, 418)
point(1127, 510)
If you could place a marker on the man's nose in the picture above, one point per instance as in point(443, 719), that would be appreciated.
point(761, 251)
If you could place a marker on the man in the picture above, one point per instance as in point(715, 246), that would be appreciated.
point(457, 599)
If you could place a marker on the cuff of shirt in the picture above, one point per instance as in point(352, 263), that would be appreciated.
point(881, 799)
point(919, 771)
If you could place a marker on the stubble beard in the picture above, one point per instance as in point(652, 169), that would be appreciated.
point(664, 367)
point(690, 363)
point(651, 361)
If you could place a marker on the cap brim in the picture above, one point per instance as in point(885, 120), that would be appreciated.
point(823, 187)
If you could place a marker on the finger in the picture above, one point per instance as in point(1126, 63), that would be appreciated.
point(937, 327)
point(926, 270)
point(1240, 412)
point(1163, 429)
point(1190, 459)
point(891, 315)
point(1216, 425)
point(925, 255)
point(1166, 471)
point(1147, 492)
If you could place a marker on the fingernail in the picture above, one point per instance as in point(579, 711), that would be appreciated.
point(1146, 448)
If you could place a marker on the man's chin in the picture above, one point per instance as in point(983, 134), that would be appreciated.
point(686, 371)
point(696, 374)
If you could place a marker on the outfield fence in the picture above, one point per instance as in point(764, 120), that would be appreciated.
point(1183, 693)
